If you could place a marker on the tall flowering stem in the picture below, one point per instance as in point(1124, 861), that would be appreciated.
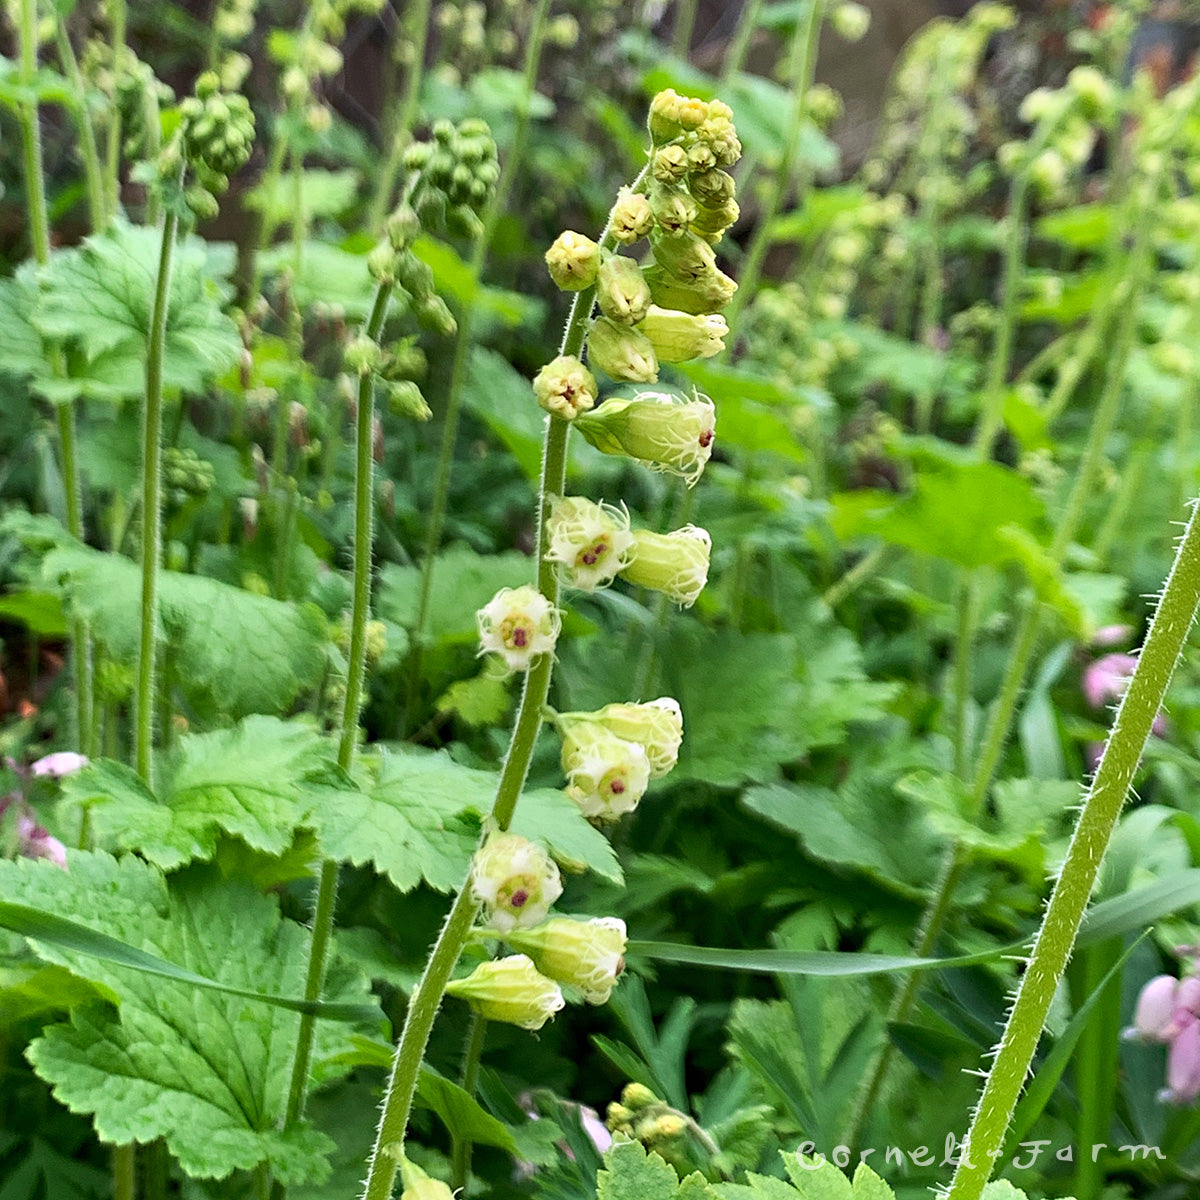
point(426, 998)
point(326, 902)
point(1064, 913)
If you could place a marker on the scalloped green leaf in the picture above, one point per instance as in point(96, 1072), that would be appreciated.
point(206, 1071)
point(257, 782)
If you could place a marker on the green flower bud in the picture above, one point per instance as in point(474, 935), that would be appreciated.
point(590, 541)
point(675, 563)
point(670, 164)
point(427, 1189)
point(363, 355)
point(678, 336)
point(432, 312)
point(621, 351)
point(661, 430)
point(664, 116)
point(701, 158)
point(656, 726)
point(573, 261)
point(850, 21)
point(712, 188)
point(516, 880)
point(413, 274)
point(673, 209)
point(711, 223)
point(405, 399)
point(637, 1096)
point(1095, 93)
point(587, 955)
point(719, 134)
point(621, 291)
point(631, 218)
point(510, 990)
point(707, 294)
point(687, 256)
point(564, 387)
point(518, 624)
point(606, 775)
point(382, 263)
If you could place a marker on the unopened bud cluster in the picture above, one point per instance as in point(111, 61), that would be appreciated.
point(216, 133)
point(671, 1134)
point(457, 170)
point(668, 310)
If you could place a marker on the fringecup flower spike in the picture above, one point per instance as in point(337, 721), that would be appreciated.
point(590, 541)
point(587, 955)
point(518, 624)
point(517, 881)
point(621, 352)
point(511, 990)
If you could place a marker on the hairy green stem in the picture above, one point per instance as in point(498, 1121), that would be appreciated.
point(112, 149)
point(1003, 711)
point(124, 1172)
point(460, 1154)
point(462, 343)
point(735, 59)
point(92, 171)
point(1097, 819)
point(398, 125)
point(857, 575)
point(426, 998)
point(152, 505)
point(39, 234)
point(323, 913)
point(802, 56)
point(685, 24)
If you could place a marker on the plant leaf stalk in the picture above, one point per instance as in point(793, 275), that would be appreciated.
point(460, 1152)
point(426, 997)
point(39, 235)
point(495, 209)
point(152, 420)
point(92, 171)
point(323, 913)
point(1101, 807)
point(399, 124)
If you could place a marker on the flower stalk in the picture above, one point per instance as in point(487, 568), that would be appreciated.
point(1101, 808)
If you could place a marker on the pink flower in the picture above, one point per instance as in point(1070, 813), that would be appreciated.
point(1111, 635)
point(1152, 1019)
point(55, 766)
point(1107, 678)
point(35, 842)
point(1183, 1064)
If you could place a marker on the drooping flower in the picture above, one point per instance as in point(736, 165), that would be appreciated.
point(678, 336)
point(587, 955)
point(621, 351)
point(573, 261)
point(564, 387)
point(510, 989)
point(516, 879)
point(1168, 1011)
point(59, 764)
point(519, 624)
point(655, 725)
point(591, 541)
point(674, 563)
point(662, 430)
point(606, 775)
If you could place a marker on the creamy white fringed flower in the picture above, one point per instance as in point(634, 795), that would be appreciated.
point(519, 624)
point(590, 541)
point(587, 955)
point(674, 563)
point(606, 775)
point(656, 726)
point(512, 990)
point(664, 431)
point(516, 879)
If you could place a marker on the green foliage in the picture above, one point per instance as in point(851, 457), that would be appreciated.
point(205, 1071)
point(259, 782)
point(230, 651)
